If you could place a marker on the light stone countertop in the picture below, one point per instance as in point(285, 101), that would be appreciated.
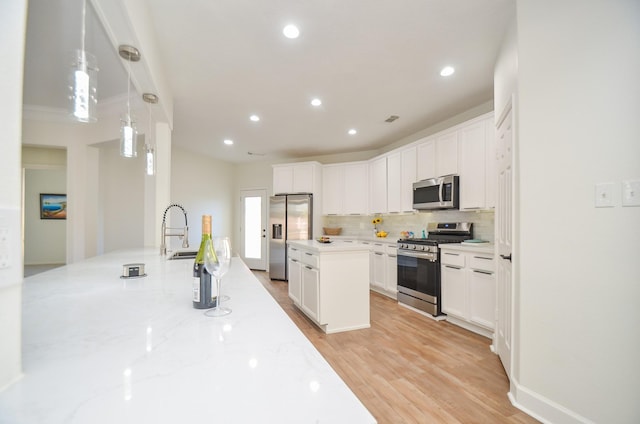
point(334, 246)
point(101, 349)
point(470, 247)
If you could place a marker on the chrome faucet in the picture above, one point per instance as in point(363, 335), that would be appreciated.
point(166, 231)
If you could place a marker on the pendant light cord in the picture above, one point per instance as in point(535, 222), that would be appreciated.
point(129, 93)
point(84, 23)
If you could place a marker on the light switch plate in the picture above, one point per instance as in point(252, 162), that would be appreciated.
point(631, 193)
point(604, 195)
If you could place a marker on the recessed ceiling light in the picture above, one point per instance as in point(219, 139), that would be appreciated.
point(352, 131)
point(446, 71)
point(316, 102)
point(254, 118)
point(291, 31)
point(228, 142)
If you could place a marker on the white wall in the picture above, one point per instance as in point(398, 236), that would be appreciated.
point(203, 186)
point(579, 103)
point(13, 17)
point(45, 240)
point(121, 199)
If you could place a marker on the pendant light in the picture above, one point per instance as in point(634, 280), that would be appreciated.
point(83, 93)
point(150, 154)
point(128, 131)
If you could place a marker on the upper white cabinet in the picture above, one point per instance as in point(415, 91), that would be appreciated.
point(447, 154)
point(477, 169)
point(401, 174)
point(378, 185)
point(437, 155)
point(302, 177)
point(426, 165)
point(345, 189)
point(356, 182)
point(333, 189)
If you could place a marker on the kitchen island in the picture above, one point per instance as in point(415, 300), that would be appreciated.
point(329, 282)
point(98, 348)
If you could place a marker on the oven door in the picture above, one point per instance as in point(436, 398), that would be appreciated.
point(419, 281)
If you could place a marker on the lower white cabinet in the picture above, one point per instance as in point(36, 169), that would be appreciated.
point(469, 288)
point(384, 269)
point(330, 283)
point(311, 292)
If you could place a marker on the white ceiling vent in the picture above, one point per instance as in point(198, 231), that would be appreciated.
point(391, 118)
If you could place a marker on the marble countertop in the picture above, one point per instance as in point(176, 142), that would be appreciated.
point(101, 349)
point(470, 247)
point(334, 246)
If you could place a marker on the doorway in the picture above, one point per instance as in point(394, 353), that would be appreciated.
point(253, 228)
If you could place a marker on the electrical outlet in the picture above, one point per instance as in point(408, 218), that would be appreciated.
point(5, 258)
point(604, 195)
point(631, 193)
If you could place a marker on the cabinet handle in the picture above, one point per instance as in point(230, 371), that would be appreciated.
point(308, 267)
point(452, 254)
point(308, 254)
point(294, 260)
point(452, 267)
point(482, 257)
point(483, 272)
point(378, 253)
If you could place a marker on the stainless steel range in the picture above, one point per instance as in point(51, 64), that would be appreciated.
point(419, 265)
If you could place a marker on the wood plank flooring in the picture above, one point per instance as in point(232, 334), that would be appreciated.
point(408, 368)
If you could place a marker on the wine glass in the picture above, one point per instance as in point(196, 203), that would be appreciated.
point(217, 258)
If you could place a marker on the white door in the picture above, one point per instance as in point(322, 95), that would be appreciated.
point(504, 232)
point(253, 228)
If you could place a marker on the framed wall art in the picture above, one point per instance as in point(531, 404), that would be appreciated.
point(53, 206)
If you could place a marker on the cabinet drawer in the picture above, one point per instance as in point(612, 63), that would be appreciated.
point(294, 253)
point(481, 262)
point(392, 250)
point(453, 258)
point(310, 259)
point(378, 248)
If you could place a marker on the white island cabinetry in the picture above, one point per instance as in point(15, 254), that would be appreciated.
point(334, 284)
point(468, 287)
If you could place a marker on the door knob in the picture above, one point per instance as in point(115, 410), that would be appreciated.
point(508, 257)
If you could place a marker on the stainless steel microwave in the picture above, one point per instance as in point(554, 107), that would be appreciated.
point(437, 193)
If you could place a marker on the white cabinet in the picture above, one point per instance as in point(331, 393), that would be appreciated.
point(345, 189)
point(378, 185)
point(491, 174)
point(295, 276)
point(426, 159)
point(447, 154)
point(311, 293)
point(384, 269)
point(356, 193)
point(468, 288)
point(302, 177)
point(333, 189)
point(401, 174)
point(334, 284)
point(472, 166)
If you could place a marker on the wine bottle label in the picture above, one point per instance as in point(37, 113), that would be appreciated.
point(196, 289)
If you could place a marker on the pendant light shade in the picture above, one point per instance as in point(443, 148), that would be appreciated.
point(150, 153)
point(128, 131)
point(83, 77)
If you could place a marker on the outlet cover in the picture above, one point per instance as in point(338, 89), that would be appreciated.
point(604, 195)
point(631, 193)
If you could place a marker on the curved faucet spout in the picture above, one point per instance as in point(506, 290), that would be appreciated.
point(166, 231)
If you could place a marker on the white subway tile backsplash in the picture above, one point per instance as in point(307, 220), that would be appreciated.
point(395, 224)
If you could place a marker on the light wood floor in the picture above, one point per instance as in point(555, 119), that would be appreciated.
point(408, 368)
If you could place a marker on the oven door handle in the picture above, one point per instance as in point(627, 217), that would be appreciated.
point(428, 256)
point(440, 190)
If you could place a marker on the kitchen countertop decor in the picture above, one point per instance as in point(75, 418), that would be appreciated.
point(100, 349)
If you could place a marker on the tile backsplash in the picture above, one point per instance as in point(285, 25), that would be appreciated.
point(394, 224)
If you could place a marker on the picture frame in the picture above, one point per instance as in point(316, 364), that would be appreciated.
point(53, 206)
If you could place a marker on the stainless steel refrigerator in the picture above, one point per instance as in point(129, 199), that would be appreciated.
point(290, 218)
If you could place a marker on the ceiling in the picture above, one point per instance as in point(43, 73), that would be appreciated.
point(225, 60)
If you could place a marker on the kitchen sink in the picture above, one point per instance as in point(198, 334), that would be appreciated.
point(183, 254)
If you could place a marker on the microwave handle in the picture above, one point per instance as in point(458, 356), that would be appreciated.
point(440, 189)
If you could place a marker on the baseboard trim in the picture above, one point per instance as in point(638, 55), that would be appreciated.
point(541, 408)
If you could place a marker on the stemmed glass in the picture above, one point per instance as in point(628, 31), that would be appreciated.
point(217, 258)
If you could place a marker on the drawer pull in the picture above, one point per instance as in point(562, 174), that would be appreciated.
point(308, 267)
point(308, 254)
point(452, 267)
point(452, 254)
point(483, 257)
point(483, 272)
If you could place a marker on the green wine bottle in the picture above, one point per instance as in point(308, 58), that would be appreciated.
point(203, 296)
